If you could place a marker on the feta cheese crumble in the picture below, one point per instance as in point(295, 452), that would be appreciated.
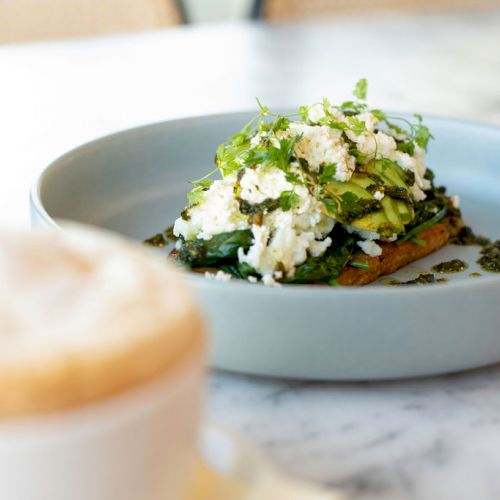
point(455, 201)
point(321, 145)
point(218, 276)
point(370, 248)
point(259, 184)
point(217, 212)
point(286, 238)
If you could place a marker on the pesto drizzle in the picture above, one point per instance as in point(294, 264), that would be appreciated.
point(450, 266)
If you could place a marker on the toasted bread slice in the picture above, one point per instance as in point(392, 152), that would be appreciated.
point(395, 256)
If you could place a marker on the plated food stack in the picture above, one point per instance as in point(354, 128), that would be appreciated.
point(333, 194)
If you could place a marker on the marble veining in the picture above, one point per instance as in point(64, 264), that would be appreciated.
point(434, 438)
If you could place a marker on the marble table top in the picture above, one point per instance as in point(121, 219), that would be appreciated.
point(429, 439)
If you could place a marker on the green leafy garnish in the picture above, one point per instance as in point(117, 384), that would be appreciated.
point(356, 125)
point(421, 133)
point(328, 173)
point(359, 265)
point(288, 200)
point(360, 89)
point(273, 157)
point(328, 266)
point(196, 195)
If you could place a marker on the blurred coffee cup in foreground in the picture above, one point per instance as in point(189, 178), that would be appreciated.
point(101, 369)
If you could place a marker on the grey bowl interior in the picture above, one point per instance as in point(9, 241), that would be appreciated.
point(134, 182)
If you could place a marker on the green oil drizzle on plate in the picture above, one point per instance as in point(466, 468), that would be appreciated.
point(450, 266)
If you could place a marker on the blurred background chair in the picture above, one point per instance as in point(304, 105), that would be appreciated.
point(24, 20)
point(294, 9)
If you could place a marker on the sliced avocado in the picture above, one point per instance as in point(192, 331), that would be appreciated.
point(372, 222)
point(388, 174)
point(362, 181)
point(406, 211)
point(391, 216)
point(392, 213)
point(339, 188)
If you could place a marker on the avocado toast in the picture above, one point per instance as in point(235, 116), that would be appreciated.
point(335, 194)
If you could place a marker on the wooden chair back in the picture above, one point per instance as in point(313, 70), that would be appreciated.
point(282, 10)
point(26, 20)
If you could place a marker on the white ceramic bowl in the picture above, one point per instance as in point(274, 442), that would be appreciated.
point(133, 182)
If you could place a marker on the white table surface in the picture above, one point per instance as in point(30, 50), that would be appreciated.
point(429, 439)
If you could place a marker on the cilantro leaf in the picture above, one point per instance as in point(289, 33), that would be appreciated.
point(356, 125)
point(422, 134)
point(406, 147)
point(360, 89)
point(379, 114)
point(304, 112)
point(294, 178)
point(328, 173)
point(289, 200)
point(196, 195)
point(331, 205)
point(271, 156)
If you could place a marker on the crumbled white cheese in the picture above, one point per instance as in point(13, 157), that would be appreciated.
point(416, 164)
point(259, 184)
point(399, 136)
point(218, 276)
point(455, 201)
point(384, 145)
point(378, 195)
point(286, 239)
point(366, 235)
point(417, 193)
point(369, 119)
point(320, 146)
point(317, 248)
point(370, 248)
point(316, 112)
point(218, 212)
point(252, 279)
point(370, 144)
point(268, 280)
point(285, 246)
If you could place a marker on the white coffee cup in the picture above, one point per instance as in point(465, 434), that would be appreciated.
point(137, 441)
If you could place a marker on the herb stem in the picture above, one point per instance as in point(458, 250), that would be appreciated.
point(360, 265)
point(425, 225)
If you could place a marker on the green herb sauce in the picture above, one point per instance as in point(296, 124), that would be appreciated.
point(421, 279)
point(158, 240)
point(490, 260)
point(162, 239)
point(466, 237)
point(450, 266)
